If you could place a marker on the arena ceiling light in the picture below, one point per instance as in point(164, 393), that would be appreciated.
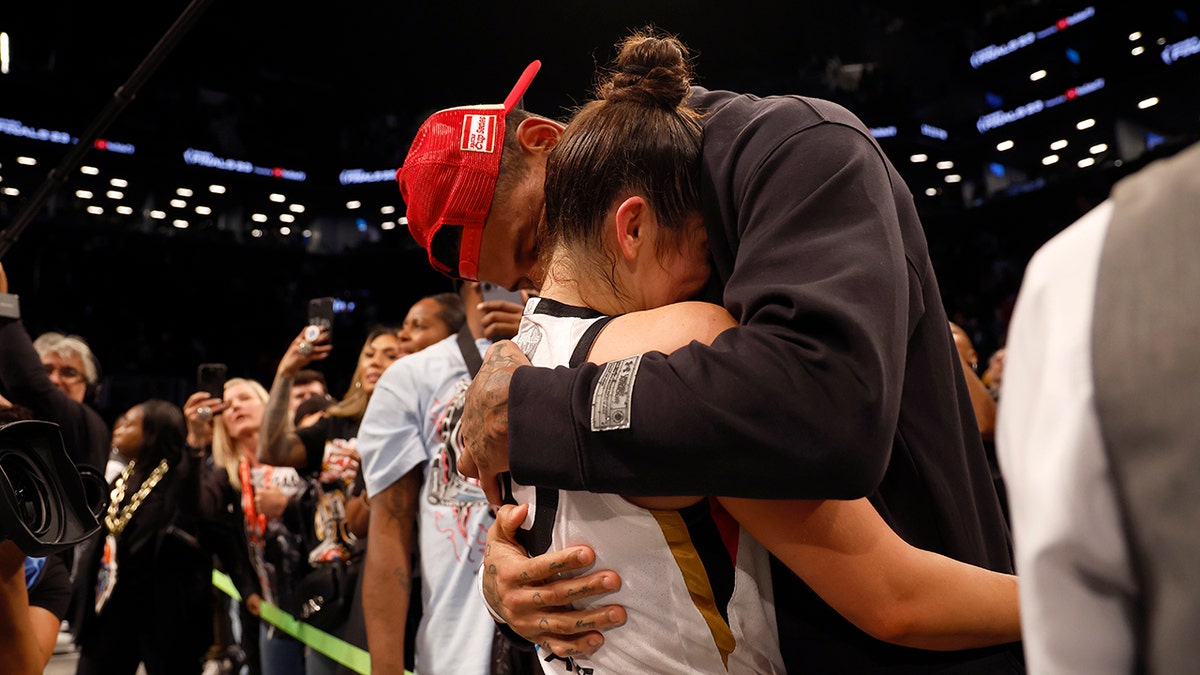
point(179, 203)
point(387, 210)
point(1050, 159)
point(184, 192)
point(387, 225)
point(1085, 124)
point(95, 210)
point(158, 215)
point(353, 204)
point(11, 191)
point(1004, 145)
point(1138, 50)
point(89, 170)
point(1059, 144)
point(285, 230)
point(287, 217)
point(931, 192)
point(259, 217)
point(217, 189)
point(124, 210)
point(27, 161)
point(1086, 162)
point(1037, 75)
point(1148, 103)
point(114, 194)
point(277, 198)
point(918, 158)
point(203, 210)
point(296, 208)
point(119, 182)
point(953, 178)
point(256, 233)
point(1135, 35)
point(84, 194)
point(180, 223)
point(946, 164)
point(1098, 148)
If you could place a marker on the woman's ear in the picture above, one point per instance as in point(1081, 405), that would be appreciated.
point(629, 220)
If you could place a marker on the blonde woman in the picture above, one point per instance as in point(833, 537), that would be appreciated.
point(260, 495)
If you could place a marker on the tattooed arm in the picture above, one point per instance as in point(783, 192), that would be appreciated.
point(388, 580)
point(485, 418)
point(278, 443)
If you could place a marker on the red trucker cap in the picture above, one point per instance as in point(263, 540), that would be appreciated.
point(449, 177)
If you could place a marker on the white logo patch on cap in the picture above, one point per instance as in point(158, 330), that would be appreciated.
point(613, 398)
point(478, 133)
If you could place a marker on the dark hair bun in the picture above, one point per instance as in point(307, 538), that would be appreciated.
point(651, 69)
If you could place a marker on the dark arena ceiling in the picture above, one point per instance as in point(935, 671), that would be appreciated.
point(269, 135)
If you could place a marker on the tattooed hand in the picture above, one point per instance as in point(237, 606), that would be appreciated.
point(535, 602)
point(485, 418)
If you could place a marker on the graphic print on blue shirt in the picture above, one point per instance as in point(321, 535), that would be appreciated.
point(449, 488)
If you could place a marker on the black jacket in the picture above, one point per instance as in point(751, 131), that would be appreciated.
point(85, 435)
point(841, 381)
point(165, 561)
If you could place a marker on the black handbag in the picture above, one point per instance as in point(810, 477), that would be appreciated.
point(324, 596)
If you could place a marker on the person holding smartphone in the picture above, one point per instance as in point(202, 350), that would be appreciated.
point(336, 507)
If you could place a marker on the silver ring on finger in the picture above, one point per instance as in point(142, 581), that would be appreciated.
point(305, 348)
point(204, 412)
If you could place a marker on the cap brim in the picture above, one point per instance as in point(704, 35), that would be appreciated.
point(518, 90)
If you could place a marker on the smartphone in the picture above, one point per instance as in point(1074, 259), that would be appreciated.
point(320, 315)
point(210, 377)
point(491, 291)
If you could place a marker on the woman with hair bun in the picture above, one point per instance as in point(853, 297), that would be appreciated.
point(621, 258)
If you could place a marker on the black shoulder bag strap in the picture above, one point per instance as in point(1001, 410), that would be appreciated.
point(466, 343)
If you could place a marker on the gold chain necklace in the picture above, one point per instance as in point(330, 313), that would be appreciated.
point(118, 517)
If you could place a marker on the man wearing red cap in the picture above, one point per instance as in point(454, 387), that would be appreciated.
point(841, 381)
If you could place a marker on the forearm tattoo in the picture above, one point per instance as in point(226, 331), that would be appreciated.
point(276, 423)
point(486, 415)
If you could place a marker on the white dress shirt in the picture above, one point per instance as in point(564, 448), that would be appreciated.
point(1076, 588)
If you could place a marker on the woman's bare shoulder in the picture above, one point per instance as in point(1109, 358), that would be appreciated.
point(663, 329)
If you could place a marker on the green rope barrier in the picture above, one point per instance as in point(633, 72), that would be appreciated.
point(339, 650)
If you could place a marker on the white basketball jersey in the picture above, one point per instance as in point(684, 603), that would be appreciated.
point(667, 559)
